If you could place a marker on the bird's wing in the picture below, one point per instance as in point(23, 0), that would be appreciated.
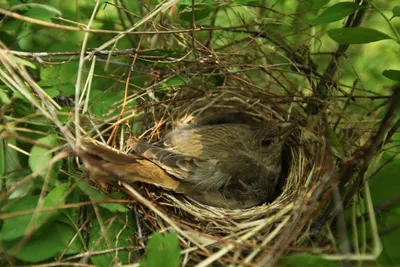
point(107, 153)
point(107, 165)
point(180, 165)
point(233, 180)
point(229, 171)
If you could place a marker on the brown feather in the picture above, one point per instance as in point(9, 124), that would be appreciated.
point(105, 164)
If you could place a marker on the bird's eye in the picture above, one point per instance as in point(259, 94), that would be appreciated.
point(266, 142)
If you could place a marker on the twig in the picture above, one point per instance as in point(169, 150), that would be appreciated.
point(327, 81)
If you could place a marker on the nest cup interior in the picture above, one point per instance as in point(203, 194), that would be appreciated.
point(237, 108)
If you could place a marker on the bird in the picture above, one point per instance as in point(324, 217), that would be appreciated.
point(231, 165)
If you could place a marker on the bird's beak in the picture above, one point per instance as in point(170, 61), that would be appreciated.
point(286, 129)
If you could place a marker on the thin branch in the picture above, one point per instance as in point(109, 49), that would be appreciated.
point(327, 81)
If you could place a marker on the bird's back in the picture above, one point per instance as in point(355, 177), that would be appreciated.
point(208, 141)
point(214, 165)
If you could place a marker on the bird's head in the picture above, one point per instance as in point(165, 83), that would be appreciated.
point(267, 140)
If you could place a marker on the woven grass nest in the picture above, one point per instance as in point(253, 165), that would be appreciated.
point(239, 236)
point(258, 235)
point(293, 222)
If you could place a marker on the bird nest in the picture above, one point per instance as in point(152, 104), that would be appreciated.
point(238, 236)
point(241, 89)
point(296, 221)
point(242, 235)
point(258, 234)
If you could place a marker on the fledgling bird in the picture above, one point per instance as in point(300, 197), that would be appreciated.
point(232, 165)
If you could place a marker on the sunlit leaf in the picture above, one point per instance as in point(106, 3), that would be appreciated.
point(335, 13)
point(40, 156)
point(396, 12)
point(52, 92)
point(161, 251)
point(43, 12)
point(392, 74)
point(357, 35)
point(4, 98)
point(24, 62)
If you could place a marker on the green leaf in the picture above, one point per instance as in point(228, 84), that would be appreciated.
point(62, 76)
point(17, 226)
point(4, 98)
point(96, 195)
point(201, 11)
point(120, 233)
point(40, 156)
point(174, 81)
point(162, 251)
point(335, 13)
point(54, 199)
point(12, 27)
point(357, 35)
point(396, 12)
point(22, 105)
point(46, 243)
point(52, 92)
point(243, 2)
point(10, 160)
point(317, 4)
point(390, 255)
point(392, 74)
point(63, 115)
point(25, 37)
point(203, 2)
point(302, 260)
point(43, 12)
point(385, 183)
point(3, 152)
point(102, 102)
point(384, 187)
point(24, 62)
point(336, 145)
